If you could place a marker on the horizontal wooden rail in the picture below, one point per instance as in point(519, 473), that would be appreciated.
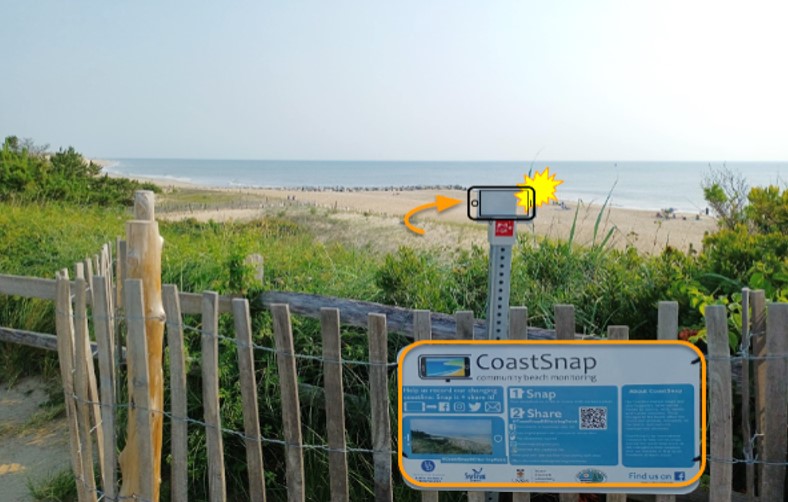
point(29, 287)
point(39, 340)
point(191, 303)
point(352, 312)
point(36, 340)
point(398, 319)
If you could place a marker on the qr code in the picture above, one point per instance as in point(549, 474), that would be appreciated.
point(593, 418)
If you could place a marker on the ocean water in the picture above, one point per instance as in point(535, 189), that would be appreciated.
point(638, 185)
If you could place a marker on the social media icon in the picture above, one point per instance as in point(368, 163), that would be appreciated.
point(475, 406)
point(492, 407)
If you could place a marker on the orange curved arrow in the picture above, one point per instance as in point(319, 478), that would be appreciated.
point(441, 203)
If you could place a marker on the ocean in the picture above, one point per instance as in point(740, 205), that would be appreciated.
point(636, 185)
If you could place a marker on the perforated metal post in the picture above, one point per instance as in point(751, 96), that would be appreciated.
point(501, 235)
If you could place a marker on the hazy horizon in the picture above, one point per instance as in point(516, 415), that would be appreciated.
point(436, 80)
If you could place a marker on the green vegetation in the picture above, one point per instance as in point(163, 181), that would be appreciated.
point(61, 487)
point(54, 210)
point(29, 174)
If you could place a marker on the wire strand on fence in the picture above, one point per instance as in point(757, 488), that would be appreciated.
point(737, 356)
point(235, 433)
point(254, 345)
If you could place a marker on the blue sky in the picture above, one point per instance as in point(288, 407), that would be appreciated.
point(404, 80)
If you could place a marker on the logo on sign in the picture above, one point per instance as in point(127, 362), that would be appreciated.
point(591, 476)
point(428, 466)
point(504, 228)
point(475, 475)
point(520, 475)
point(680, 476)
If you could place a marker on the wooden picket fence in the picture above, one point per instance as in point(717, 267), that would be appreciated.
point(101, 298)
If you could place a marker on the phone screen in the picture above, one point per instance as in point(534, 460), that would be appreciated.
point(440, 366)
point(486, 203)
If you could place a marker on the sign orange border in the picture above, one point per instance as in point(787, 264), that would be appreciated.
point(520, 486)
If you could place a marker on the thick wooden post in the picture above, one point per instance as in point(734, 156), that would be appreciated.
point(143, 261)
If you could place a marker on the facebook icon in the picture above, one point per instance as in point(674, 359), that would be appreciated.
point(680, 476)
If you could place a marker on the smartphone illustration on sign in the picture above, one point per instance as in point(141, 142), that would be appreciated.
point(444, 366)
point(500, 202)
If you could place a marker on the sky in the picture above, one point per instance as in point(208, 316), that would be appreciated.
point(402, 80)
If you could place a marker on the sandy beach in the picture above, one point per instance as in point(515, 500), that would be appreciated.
point(641, 229)
point(380, 214)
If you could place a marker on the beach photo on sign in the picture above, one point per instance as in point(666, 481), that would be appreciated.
point(451, 436)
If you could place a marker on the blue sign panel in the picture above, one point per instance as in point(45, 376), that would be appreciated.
point(526, 416)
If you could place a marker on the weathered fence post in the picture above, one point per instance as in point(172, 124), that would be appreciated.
point(776, 386)
point(291, 409)
point(144, 483)
point(617, 333)
point(422, 330)
point(464, 326)
point(721, 405)
point(64, 323)
point(379, 400)
point(667, 329)
point(746, 429)
point(103, 322)
point(178, 394)
point(254, 446)
point(335, 404)
point(143, 261)
point(758, 337)
point(565, 330)
point(518, 330)
point(83, 364)
point(209, 363)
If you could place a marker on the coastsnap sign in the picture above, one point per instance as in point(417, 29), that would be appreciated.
point(599, 416)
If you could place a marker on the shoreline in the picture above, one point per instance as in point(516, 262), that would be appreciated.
point(641, 229)
point(167, 182)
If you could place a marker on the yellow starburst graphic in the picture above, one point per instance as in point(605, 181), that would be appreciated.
point(543, 183)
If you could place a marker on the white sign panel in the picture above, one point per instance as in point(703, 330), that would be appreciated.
point(601, 416)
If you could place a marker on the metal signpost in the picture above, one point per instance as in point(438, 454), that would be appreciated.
point(498, 206)
point(567, 416)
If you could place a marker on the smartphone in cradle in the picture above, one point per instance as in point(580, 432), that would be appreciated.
point(444, 366)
